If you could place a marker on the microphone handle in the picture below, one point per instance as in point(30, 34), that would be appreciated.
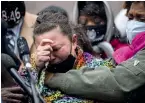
point(14, 73)
point(37, 98)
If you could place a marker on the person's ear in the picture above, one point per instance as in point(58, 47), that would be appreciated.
point(74, 39)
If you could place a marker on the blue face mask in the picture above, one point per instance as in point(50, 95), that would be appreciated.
point(133, 28)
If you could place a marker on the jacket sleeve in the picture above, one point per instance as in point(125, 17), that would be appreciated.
point(102, 83)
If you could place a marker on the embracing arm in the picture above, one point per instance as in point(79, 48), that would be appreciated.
point(102, 83)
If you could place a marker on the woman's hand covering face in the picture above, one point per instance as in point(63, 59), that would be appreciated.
point(43, 52)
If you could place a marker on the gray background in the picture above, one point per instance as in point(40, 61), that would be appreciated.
point(36, 6)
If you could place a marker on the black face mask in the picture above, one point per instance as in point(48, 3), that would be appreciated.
point(62, 67)
point(96, 33)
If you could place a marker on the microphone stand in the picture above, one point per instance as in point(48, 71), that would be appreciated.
point(37, 98)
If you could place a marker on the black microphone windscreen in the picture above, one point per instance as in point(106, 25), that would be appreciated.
point(3, 33)
point(7, 61)
point(22, 46)
point(3, 27)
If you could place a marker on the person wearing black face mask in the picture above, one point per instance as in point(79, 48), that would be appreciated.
point(92, 15)
point(61, 46)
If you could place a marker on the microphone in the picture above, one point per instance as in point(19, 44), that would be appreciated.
point(10, 65)
point(4, 27)
point(4, 43)
point(25, 56)
point(24, 51)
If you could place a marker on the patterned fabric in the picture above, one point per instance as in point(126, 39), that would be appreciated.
point(56, 96)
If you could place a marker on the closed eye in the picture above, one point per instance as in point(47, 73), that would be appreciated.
point(130, 16)
point(56, 48)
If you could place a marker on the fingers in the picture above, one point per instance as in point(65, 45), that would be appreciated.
point(44, 48)
point(12, 100)
point(44, 58)
point(43, 52)
point(45, 41)
point(13, 95)
point(43, 55)
point(14, 89)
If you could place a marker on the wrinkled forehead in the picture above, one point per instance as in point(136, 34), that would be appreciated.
point(138, 7)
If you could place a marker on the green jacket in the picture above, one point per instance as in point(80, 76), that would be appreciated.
point(115, 85)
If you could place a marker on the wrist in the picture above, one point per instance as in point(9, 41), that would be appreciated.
point(35, 64)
